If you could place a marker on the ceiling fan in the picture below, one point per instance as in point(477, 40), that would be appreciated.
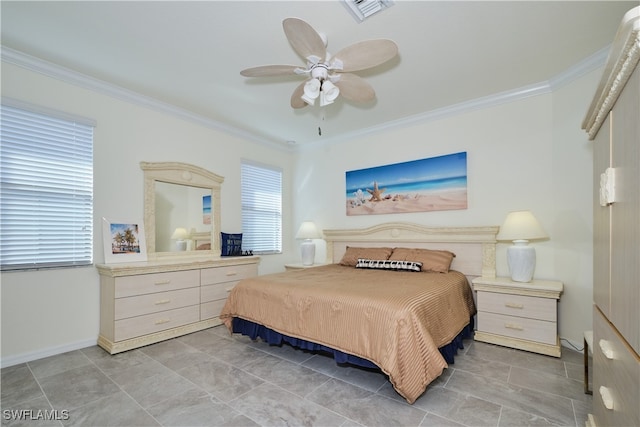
point(328, 76)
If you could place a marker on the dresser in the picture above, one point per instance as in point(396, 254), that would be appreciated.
point(613, 123)
point(518, 315)
point(147, 302)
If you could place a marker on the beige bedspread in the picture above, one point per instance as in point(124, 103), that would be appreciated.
point(397, 320)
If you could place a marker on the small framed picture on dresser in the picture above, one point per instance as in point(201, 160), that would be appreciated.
point(124, 241)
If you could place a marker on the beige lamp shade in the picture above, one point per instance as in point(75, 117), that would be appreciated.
point(308, 230)
point(521, 225)
point(180, 234)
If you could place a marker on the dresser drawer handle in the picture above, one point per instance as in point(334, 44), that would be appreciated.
point(605, 394)
point(513, 305)
point(513, 326)
point(161, 321)
point(163, 301)
point(232, 273)
point(163, 282)
point(606, 349)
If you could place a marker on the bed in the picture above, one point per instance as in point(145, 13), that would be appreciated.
point(368, 306)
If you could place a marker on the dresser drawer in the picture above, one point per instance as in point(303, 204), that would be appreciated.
point(616, 377)
point(156, 282)
point(211, 309)
point(518, 327)
point(518, 305)
point(216, 292)
point(228, 273)
point(141, 325)
point(152, 303)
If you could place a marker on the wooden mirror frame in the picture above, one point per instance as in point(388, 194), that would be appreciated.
point(181, 174)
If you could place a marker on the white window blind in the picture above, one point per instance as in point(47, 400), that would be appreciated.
point(46, 190)
point(261, 208)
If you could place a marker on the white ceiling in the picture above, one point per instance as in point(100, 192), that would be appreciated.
point(189, 54)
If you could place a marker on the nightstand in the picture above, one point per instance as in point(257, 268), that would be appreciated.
point(519, 315)
point(299, 266)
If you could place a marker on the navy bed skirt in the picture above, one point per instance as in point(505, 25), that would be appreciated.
point(254, 330)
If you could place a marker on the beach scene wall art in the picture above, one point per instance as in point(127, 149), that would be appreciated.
point(206, 209)
point(432, 184)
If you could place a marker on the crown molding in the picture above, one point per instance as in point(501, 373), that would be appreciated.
point(49, 69)
point(583, 67)
point(75, 78)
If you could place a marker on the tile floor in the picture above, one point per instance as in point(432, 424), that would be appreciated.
point(212, 379)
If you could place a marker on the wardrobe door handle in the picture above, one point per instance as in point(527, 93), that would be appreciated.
point(607, 399)
point(605, 347)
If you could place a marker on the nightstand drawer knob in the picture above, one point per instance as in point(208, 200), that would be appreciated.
point(513, 305)
point(513, 326)
point(161, 321)
point(163, 301)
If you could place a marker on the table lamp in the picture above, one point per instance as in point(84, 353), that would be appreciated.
point(308, 231)
point(520, 227)
point(179, 235)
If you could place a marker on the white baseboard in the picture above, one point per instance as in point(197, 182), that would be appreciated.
point(45, 352)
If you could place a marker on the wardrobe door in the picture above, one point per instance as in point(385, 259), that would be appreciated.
point(601, 220)
point(625, 214)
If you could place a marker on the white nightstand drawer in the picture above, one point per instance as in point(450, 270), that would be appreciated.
point(156, 282)
point(518, 327)
point(153, 303)
point(149, 323)
point(228, 273)
point(518, 305)
point(216, 292)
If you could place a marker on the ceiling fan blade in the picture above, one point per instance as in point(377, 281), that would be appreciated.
point(296, 97)
point(355, 88)
point(304, 39)
point(366, 54)
point(270, 70)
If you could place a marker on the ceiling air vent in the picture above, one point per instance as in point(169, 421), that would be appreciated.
point(363, 9)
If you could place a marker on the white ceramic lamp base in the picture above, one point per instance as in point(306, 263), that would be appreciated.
point(181, 245)
point(308, 252)
point(522, 261)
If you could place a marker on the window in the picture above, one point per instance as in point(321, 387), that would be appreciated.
point(46, 188)
point(261, 208)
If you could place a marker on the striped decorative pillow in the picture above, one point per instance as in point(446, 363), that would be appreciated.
point(432, 260)
point(353, 253)
point(385, 264)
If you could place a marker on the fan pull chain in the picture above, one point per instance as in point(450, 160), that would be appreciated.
point(320, 127)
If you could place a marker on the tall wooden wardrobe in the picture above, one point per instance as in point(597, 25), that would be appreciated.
point(613, 123)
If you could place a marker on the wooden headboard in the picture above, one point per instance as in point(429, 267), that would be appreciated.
point(475, 247)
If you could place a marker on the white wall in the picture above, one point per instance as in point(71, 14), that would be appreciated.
point(528, 154)
point(45, 312)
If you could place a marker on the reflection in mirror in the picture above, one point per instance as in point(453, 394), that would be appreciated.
point(181, 209)
point(182, 212)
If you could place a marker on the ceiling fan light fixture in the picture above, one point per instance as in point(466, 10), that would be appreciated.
point(311, 91)
point(329, 93)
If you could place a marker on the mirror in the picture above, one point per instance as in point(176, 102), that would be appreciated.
point(181, 209)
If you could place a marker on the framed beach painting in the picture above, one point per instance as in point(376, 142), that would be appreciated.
point(124, 241)
point(432, 184)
